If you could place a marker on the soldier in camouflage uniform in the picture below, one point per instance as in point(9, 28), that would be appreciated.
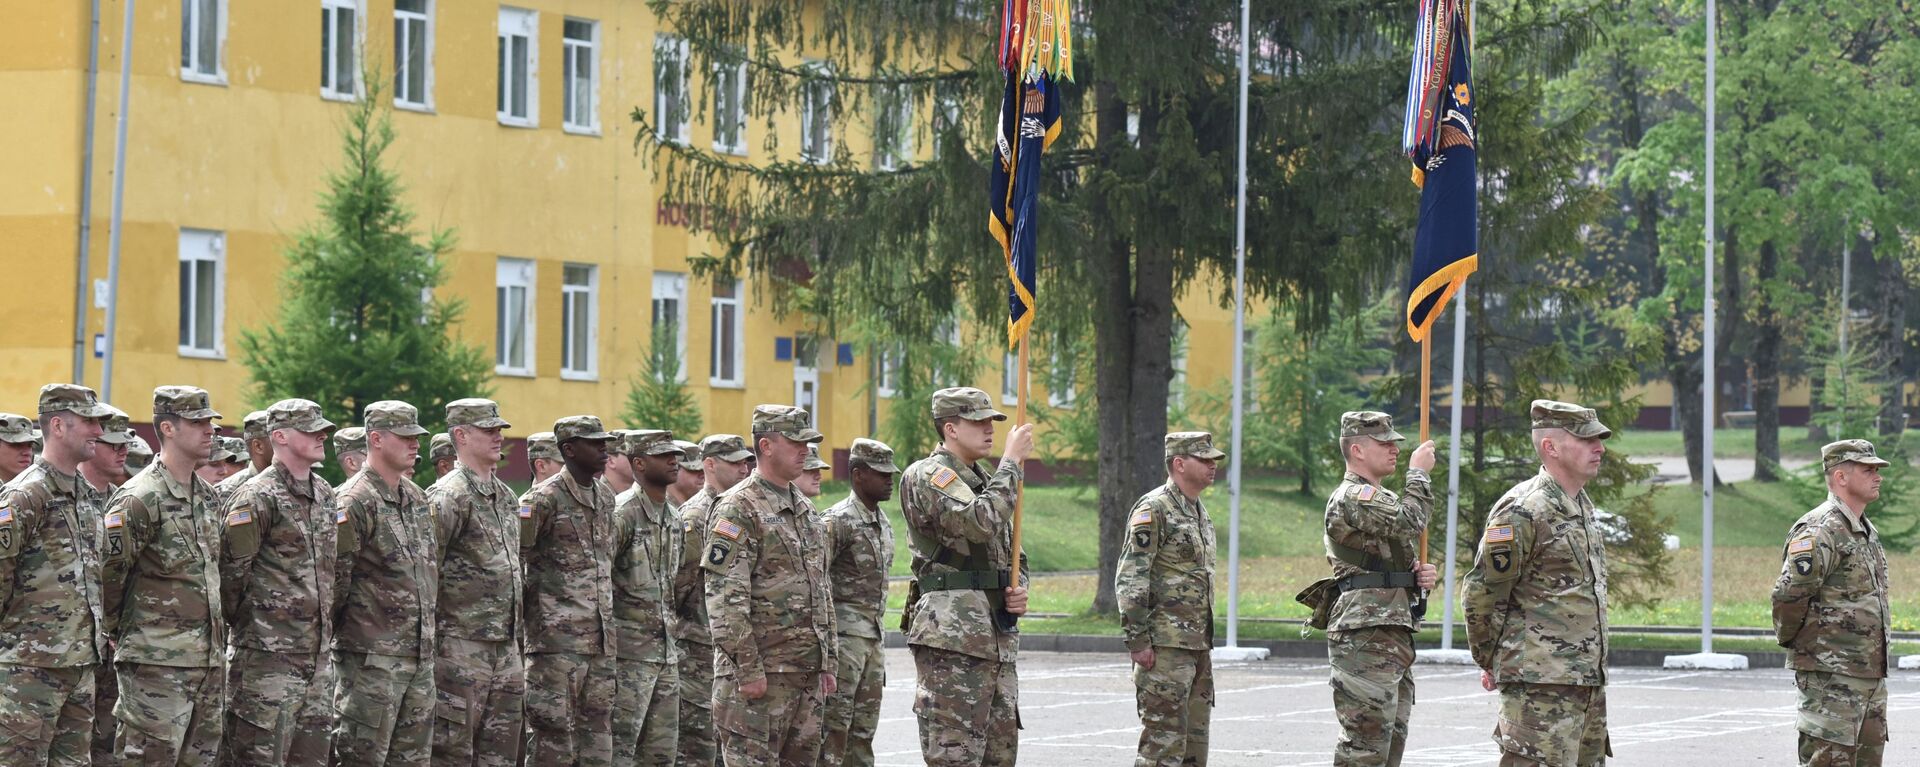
point(726, 462)
point(259, 455)
point(479, 672)
point(277, 572)
point(440, 454)
point(543, 456)
point(1164, 586)
point(160, 592)
point(692, 475)
point(859, 554)
point(1372, 541)
point(16, 445)
point(229, 456)
point(139, 454)
point(383, 639)
point(619, 473)
point(647, 542)
point(768, 604)
point(50, 642)
point(106, 471)
point(809, 480)
point(567, 549)
point(1830, 611)
point(960, 628)
point(1536, 600)
point(350, 449)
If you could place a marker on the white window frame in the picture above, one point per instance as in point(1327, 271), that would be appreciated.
point(1010, 378)
point(812, 121)
point(887, 376)
point(672, 286)
point(571, 73)
point(736, 100)
point(191, 44)
point(332, 90)
point(899, 151)
point(947, 112)
point(667, 128)
point(517, 23)
point(570, 295)
point(401, 21)
point(1063, 397)
point(717, 306)
point(204, 246)
point(509, 274)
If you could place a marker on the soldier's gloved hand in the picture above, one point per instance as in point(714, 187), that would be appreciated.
point(1017, 600)
point(1020, 444)
point(828, 683)
point(754, 690)
point(1144, 658)
point(1486, 681)
point(1423, 456)
point(1427, 575)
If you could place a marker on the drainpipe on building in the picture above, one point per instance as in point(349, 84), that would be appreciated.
point(119, 199)
point(83, 271)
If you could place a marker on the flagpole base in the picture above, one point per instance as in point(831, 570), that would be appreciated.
point(1439, 657)
point(1236, 654)
point(1707, 661)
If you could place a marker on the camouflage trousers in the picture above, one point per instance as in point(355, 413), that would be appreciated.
point(968, 707)
point(479, 703)
point(1372, 680)
point(168, 716)
point(386, 710)
point(46, 715)
point(1175, 701)
point(1556, 725)
point(696, 706)
point(281, 711)
point(781, 728)
point(569, 710)
point(106, 690)
point(1843, 719)
point(853, 711)
point(646, 713)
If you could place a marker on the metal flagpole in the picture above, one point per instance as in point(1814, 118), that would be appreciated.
point(1233, 649)
point(1453, 463)
point(1846, 291)
point(119, 202)
point(1706, 353)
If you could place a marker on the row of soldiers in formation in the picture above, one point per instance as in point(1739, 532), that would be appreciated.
point(1536, 600)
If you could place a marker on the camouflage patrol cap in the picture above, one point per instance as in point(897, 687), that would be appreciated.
point(474, 411)
point(579, 427)
point(787, 421)
point(1579, 421)
point(872, 454)
point(617, 441)
point(652, 442)
point(542, 445)
point(231, 450)
point(189, 402)
point(1369, 423)
point(72, 398)
point(689, 455)
point(1858, 451)
point(965, 402)
point(16, 429)
point(301, 415)
point(139, 453)
point(731, 448)
point(352, 439)
point(1198, 444)
point(441, 446)
point(394, 416)
point(254, 426)
point(813, 460)
point(116, 428)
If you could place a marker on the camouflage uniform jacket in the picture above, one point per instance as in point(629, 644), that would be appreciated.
point(1830, 605)
point(950, 504)
point(160, 581)
point(389, 571)
point(1164, 581)
point(477, 532)
point(768, 603)
point(646, 556)
point(1372, 520)
point(689, 581)
point(859, 554)
point(1536, 599)
point(49, 570)
point(224, 491)
point(278, 564)
point(566, 541)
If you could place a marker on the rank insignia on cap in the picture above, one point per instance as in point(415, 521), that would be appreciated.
point(1803, 544)
point(944, 477)
point(1500, 534)
point(1141, 517)
point(727, 528)
point(114, 519)
point(1367, 492)
point(526, 512)
point(239, 517)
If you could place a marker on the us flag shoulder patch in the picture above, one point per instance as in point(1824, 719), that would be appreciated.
point(1141, 517)
point(239, 517)
point(526, 512)
point(1367, 492)
point(1803, 544)
point(944, 477)
point(726, 527)
point(1500, 534)
point(340, 517)
point(114, 519)
point(6, 514)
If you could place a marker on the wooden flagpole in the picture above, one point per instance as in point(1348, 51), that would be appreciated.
point(1426, 400)
point(1020, 487)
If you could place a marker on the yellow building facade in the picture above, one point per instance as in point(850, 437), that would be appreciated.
point(564, 252)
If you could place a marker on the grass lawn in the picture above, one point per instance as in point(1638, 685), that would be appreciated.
point(1727, 443)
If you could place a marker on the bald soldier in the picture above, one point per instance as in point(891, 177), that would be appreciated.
point(1830, 611)
point(1164, 587)
point(647, 542)
point(726, 461)
point(859, 554)
point(160, 588)
point(50, 640)
point(16, 445)
point(350, 449)
point(1372, 542)
point(259, 455)
point(1536, 599)
point(543, 456)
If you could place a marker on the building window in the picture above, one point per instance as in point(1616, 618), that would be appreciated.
point(339, 49)
point(1010, 379)
point(1060, 375)
point(730, 107)
point(579, 109)
point(513, 317)
point(670, 311)
point(413, 53)
point(518, 93)
point(729, 337)
point(887, 380)
point(671, 112)
point(202, 292)
point(203, 27)
point(816, 117)
point(579, 321)
point(1177, 389)
point(893, 127)
point(946, 115)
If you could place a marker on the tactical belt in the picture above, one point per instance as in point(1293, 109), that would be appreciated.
point(965, 580)
point(1376, 581)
